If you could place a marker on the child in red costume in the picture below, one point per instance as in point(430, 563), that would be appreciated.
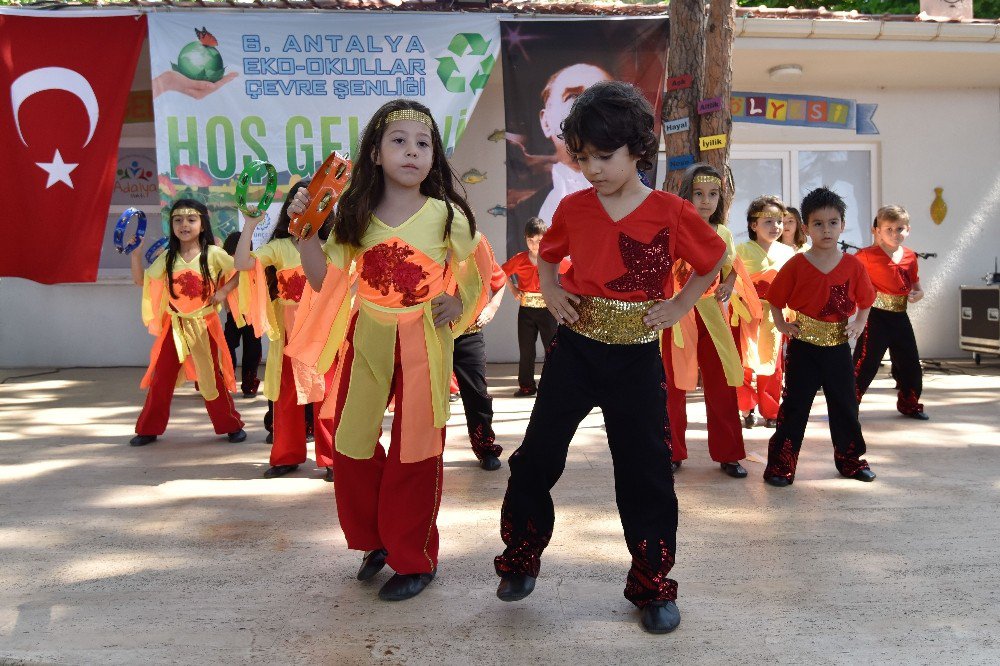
point(824, 287)
point(893, 271)
point(624, 239)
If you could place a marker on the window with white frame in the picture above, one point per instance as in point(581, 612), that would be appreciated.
point(792, 171)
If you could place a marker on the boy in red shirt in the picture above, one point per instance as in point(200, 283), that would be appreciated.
point(824, 287)
point(533, 318)
point(893, 272)
point(613, 301)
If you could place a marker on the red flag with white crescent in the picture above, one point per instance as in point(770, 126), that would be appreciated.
point(64, 83)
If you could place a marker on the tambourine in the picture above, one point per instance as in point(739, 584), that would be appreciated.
point(156, 249)
point(140, 230)
point(256, 169)
point(327, 184)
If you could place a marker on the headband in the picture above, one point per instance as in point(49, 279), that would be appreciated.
point(706, 178)
point(185, 212)
point(408, 114)
point(762, 214)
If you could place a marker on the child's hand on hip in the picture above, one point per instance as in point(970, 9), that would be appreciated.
point(445, 309)
point(663, 315)
point(560, 303)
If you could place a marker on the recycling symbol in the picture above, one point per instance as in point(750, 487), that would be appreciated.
point(466, 44)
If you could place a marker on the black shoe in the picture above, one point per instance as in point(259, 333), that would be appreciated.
point(864, 475)
point(275, 471)
point(920, 416)
point(142, 440)
point(328, 477)
point(515, 587)
point(404, 586)
point(371, 564)
point(237, 436)
point(269, 439)
point(525, 392)
point(454, 397)
point(661, 617)
point(675, 465)
point(770, 423)
point(490, 463)
point(734, 469)
point(777, 481)
point(749, 421)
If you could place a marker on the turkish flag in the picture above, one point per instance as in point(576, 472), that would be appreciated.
point(64, 83)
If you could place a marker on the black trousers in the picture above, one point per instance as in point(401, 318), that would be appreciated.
point(470, 370)
point(808, 368)
point(532, 322)
point(627, 383)
point(251, 352)
point(892, 331)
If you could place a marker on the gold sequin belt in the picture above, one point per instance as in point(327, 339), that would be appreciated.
point(613, 322)
point(532, 299)
point(821, 333)
point(890, 302)
point(473, 329)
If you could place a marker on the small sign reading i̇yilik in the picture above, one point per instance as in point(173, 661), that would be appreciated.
point(713, 142)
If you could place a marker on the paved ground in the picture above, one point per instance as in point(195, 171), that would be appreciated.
point(180, 553)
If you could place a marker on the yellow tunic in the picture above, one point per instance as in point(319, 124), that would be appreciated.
point(277, 318)
point(192, 320)
point(760, 355)
point(743, 306)
point(400, 270)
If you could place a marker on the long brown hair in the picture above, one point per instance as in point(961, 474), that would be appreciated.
point(687, 190)
point(205, 239)
point(800, 233)
point(367, 184)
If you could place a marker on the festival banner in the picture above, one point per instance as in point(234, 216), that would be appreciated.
point(546, 65)
point(290, 88)
point(803, 111)
point(63, 95)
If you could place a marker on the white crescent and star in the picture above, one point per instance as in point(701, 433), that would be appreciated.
point(55, 78)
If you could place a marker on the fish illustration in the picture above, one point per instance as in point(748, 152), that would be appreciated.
point(498, 211)
point(473, 176)
point(497, 135)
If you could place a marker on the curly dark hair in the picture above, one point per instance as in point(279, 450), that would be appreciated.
point(609, 115)
point(354, 209)
point(822, 197)
point(757, 206)
point(686, 190)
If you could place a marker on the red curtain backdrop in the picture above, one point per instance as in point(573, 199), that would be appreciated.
point(64, 84)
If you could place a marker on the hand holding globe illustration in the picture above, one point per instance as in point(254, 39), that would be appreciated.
point(199, 70)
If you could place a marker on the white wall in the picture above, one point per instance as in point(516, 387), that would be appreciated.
point(947, 138)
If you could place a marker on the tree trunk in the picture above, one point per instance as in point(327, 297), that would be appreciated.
point(686, 56)
point(718, 83)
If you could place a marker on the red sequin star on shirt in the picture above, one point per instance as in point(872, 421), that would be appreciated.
point(839, 303)
point(647, 265)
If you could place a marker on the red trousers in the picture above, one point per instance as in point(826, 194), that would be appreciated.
point(767, 397)
point(385, 503)
point(289, 447)
point(725, 437)
point(156, 411)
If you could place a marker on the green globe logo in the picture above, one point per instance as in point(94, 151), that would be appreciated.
point(462, 45)
point(201, 61)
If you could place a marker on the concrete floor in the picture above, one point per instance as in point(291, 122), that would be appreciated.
point(180, 553)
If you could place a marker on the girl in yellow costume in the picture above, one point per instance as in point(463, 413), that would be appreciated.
point(763, 255)
point(702, 339)
point(272, 282)
point(412, 239)
point(181, 294)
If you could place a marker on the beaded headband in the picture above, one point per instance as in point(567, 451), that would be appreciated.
point(763, 214)
point(706, 178)
point(184, 212)
point(408, 114)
